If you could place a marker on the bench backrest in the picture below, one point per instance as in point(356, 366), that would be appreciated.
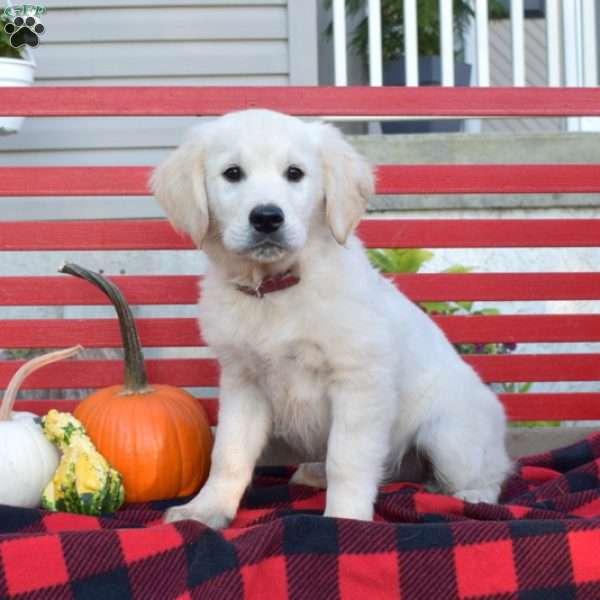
point(164, 288)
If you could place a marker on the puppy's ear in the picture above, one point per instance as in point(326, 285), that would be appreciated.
point(178, 185)
point(348, 181)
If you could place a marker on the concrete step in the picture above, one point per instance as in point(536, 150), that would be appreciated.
point(482, 148)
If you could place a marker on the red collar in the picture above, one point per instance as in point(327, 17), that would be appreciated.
point(270, 284)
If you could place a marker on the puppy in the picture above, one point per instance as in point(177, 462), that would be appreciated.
point(315, 346)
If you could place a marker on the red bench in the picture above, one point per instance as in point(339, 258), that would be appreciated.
point(164, 288)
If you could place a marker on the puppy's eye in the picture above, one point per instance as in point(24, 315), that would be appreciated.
point(294, 174)
point(233, 174)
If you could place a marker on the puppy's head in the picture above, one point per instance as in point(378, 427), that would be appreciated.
point(257, 181)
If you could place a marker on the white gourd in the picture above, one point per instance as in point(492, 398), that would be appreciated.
point(27, 459)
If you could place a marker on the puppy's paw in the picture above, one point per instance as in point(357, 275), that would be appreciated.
point(359, 513)
point(311, 474)
point(193, 512)
point(349, 505)
point(489, 495)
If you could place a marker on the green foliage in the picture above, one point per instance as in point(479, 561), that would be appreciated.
point(534, 424)
point(393, 260)
point(6, 50)
point(396, 260)
point(428, 25)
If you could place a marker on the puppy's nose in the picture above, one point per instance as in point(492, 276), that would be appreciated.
point(266, 218)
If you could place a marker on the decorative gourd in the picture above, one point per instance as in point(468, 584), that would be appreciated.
point(84, 482)
point(27, 459)
point(157, 436)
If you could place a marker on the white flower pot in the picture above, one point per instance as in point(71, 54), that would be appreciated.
point(14, 72)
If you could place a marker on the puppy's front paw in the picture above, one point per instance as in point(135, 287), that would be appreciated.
point(489, 495)
point(191, 511)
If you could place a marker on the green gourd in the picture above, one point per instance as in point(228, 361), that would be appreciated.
point(84, 482)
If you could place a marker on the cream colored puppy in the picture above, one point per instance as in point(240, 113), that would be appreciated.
point(314, 344)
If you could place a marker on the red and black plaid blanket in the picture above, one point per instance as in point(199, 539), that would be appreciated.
point(541, 542)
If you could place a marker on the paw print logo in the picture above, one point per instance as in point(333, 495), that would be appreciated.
point(24, 32)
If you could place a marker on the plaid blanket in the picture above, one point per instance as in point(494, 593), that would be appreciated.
point(541, 542)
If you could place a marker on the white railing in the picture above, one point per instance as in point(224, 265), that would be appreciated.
point(571, 44)
point(553, 42)
point(482, 63)
point(340, 44)
point(446, 42)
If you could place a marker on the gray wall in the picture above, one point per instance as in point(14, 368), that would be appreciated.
point(535, 73)
point(157, 42)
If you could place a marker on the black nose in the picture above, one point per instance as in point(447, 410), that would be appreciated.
point(266, 218)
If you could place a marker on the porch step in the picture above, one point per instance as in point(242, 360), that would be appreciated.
point(482, 148)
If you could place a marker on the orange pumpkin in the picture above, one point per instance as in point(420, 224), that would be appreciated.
point(157, 436)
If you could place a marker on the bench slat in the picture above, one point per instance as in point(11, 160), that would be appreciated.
point(151, 234)
point(521, 328)
point(391, 179)
point(183, 332)
point(519, 407)
point(101, 373)
point(183, 289)
point(64, 291)
point(536, 367)
point(204, 371)
point(480, 233)
point(157, 234)
point(575, 406)
point(499, 286)
point(74, 181)
point(303, 101)
point(96, 333)
point(488, 179)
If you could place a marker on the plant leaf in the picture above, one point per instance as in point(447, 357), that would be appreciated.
point(458, 269)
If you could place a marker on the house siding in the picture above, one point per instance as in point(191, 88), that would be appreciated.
point(130, 42)
point(536, 73)
point(150, 42)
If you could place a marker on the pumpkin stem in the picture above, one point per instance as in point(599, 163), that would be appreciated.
point(136, 380)
point(29, 367)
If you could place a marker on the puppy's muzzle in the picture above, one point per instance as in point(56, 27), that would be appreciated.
point(266, 218)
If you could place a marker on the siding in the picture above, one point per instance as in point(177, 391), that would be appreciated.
point(151, 42)
point(535, 73)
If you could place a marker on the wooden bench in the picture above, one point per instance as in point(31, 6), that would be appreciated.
point(167, 289)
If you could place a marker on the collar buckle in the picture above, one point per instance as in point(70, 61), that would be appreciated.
point(270, 284)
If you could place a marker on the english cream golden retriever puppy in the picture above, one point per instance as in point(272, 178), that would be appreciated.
point(315, 346)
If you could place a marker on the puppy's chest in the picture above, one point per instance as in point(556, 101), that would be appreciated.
point(284, 351)
point(294, 378)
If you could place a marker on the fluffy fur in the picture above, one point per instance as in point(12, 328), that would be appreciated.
point(342, 365)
